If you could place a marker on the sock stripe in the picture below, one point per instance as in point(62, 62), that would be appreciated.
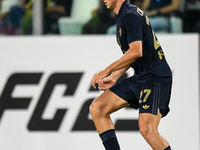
point(110, 140)
point(107, 137)
point(108, 134)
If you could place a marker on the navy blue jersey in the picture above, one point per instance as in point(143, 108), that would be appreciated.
point(133, 25)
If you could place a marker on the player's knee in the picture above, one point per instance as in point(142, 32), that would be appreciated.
point(144, 131)
point(148, 131)
point(96, 109)
point(92, 108)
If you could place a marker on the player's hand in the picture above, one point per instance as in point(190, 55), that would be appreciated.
point(106, 83)
point(98, 77)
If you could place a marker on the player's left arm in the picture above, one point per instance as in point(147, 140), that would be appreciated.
point(134, 52)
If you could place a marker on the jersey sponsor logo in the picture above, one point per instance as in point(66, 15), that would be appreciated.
point(36, 122)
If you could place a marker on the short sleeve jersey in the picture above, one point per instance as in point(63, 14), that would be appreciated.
point(133, 25)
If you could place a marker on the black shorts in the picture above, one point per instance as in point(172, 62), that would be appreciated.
point(148, 97)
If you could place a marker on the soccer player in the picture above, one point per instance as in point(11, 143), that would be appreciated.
point(149, 89)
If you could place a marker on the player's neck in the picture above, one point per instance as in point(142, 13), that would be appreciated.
point(118, 6)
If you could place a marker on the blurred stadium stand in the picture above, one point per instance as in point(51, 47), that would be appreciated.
point(80, 14)
point(176, 21)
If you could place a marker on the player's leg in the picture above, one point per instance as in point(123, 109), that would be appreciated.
point(154, 101)
point(100, 109)
point(148, 124)
point(120, 95)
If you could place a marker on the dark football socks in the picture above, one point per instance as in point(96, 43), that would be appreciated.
point(110, 140)
point(168, 148)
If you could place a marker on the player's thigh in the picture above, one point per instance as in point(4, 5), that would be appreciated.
point(128, 90)
point(149, 121)
point(108, 102)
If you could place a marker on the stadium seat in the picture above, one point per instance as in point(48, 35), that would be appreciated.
point(81, 13)
point(176, 23)
point(7, 4)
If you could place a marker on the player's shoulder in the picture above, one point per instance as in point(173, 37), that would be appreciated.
point(132, 14)
point(132, 11)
